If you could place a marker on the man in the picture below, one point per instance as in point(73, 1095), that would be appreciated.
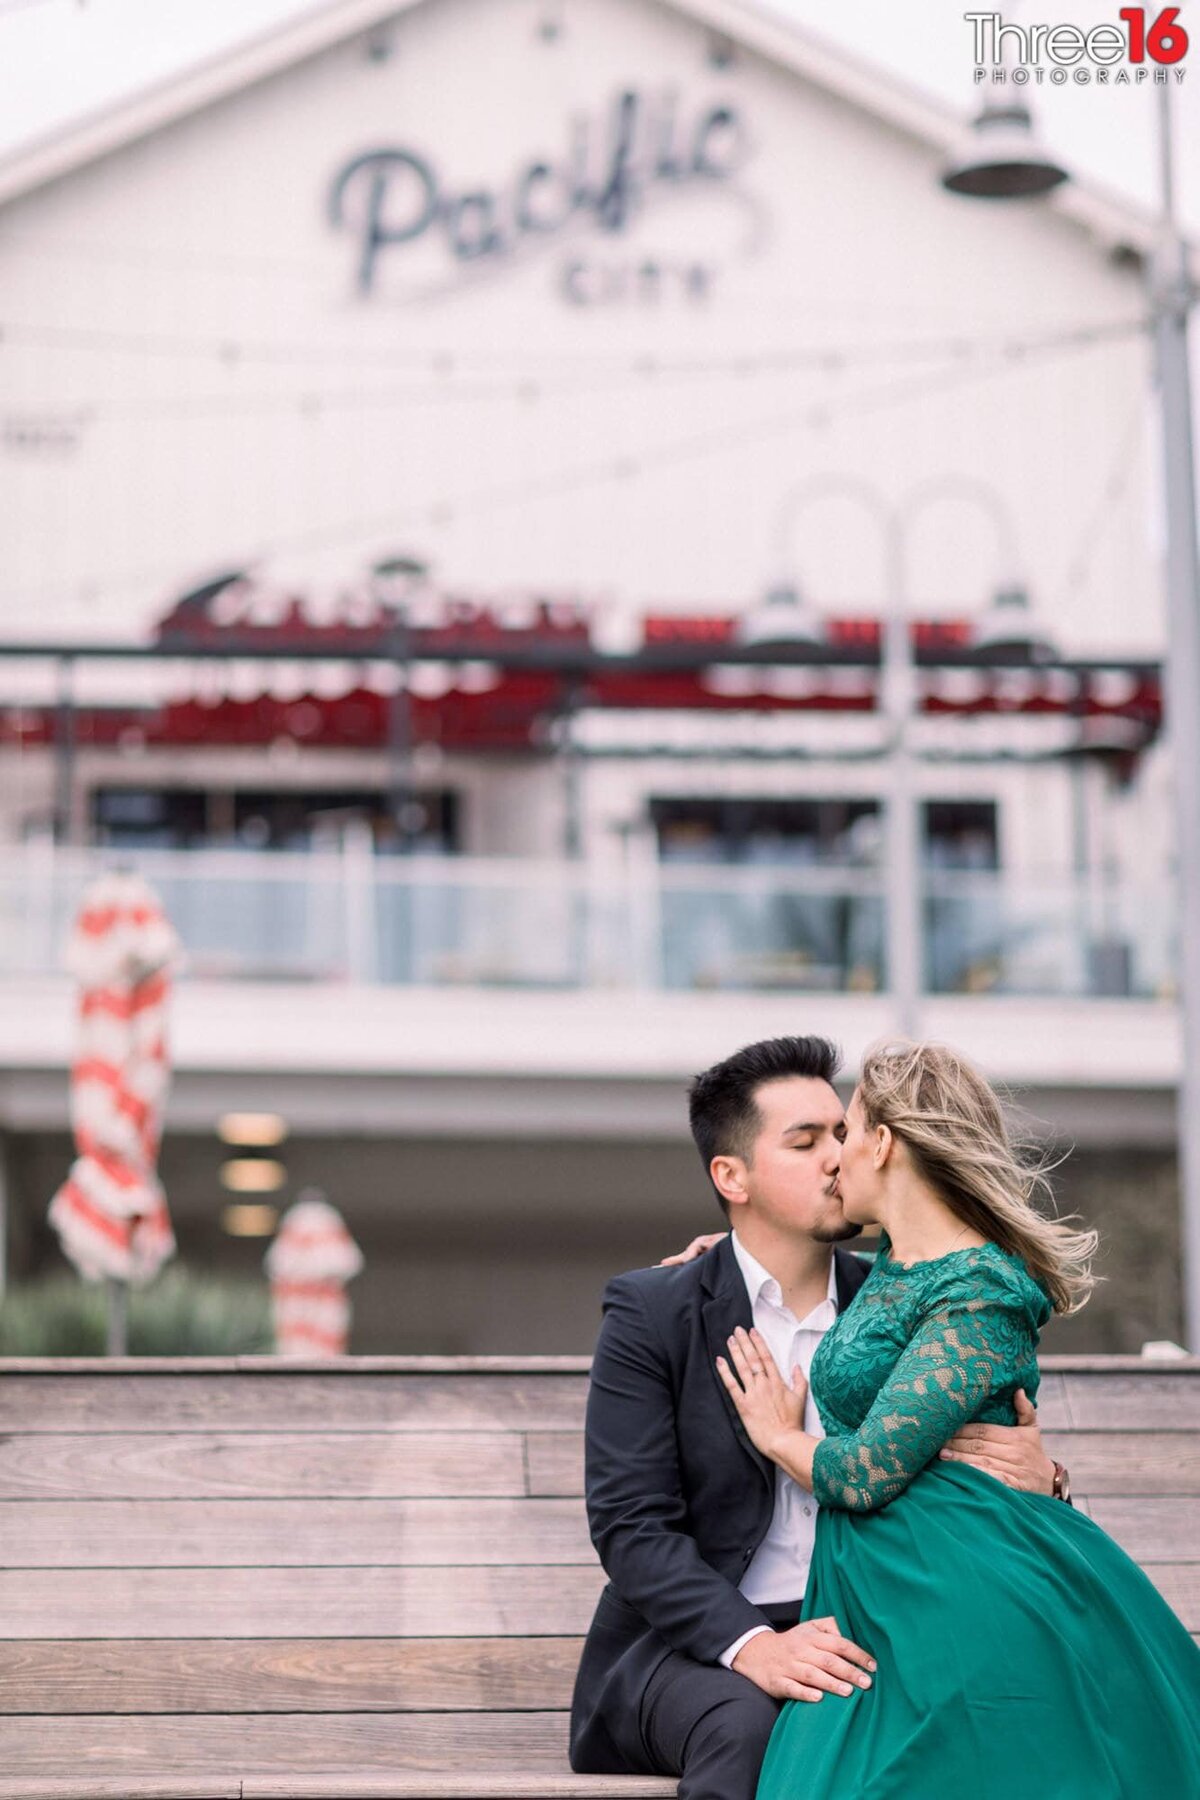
point(697, 1638)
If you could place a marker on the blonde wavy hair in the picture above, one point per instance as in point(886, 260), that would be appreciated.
point(952, 1124)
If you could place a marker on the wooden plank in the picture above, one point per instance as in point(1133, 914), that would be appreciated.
point(296, 1603)
point(120, 1787)
point(1153, 1529)
point(1052, 1404)
point(285, 1746)
point(456, 1787)
point(1181, 1366)
point(119, 1366)
point(1179, 1585)
point(1156, 1402)
point(288, 1675)
point(249, 1465)
point(116, 1367)
point(259, 1402)
point(1129, 1463)
point(344, 1603)
point(554, 1463)
point(240, 1397)
point(243, 1533)
point(252, 1401)
point(475, 1786)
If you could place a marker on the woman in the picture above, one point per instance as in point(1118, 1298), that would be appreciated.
point(1019, 1650)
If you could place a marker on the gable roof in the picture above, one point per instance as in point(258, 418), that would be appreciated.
point(1114, 221)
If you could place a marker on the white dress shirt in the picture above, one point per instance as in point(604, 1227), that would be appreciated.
point(779, 1571)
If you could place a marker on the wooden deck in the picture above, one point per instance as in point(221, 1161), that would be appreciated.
point(370, 1578)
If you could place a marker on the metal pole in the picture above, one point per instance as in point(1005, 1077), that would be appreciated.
point(572, 793)
point(1171, 295)
point(4, 1196)
point(117, 1340)
point(399, 724)
point(64, 753)
point(903, 898)
point(581, 910)
point(898, 693)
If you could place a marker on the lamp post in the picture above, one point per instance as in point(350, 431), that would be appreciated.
point(1171, 295)
point(393, 580)
point(1171, 298)
point(898, 696)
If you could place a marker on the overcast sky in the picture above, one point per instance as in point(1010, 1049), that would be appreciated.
point(60, 59)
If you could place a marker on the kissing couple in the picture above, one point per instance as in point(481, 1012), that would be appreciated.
point(840, 1562)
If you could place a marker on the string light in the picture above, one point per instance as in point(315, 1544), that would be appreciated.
point(44, 417)
point(446, 364)
point(805, 415)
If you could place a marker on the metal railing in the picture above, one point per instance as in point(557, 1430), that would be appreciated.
point(351, 916)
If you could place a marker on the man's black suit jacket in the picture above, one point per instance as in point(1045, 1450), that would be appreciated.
point(678, 1498)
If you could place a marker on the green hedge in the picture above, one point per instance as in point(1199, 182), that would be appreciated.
point(179, 1314)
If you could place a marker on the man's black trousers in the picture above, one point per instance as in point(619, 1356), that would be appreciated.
point(709, 1725)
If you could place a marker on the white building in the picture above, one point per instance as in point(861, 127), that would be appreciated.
point(648, 306)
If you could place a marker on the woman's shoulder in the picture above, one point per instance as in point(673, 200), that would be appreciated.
point(978, 1276)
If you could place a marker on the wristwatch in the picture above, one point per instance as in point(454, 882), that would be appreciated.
point(1062, 1483)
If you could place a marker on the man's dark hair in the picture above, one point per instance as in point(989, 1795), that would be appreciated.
point(722, 1108)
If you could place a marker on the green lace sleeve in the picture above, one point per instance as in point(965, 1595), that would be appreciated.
point(965, 1349)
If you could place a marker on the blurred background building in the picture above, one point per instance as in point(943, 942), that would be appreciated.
point(461, 460)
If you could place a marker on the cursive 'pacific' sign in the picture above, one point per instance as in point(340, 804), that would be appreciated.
point(390, 197)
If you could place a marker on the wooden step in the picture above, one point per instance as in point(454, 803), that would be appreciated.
point(288, 1675)
point(299, 1754)
point(529, 1601)
point(244, 1579)
point(510, 1786)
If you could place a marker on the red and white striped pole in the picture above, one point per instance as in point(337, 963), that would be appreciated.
point(111, 1214)
point(309, 1263)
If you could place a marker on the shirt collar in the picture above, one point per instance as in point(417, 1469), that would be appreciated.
point(762, 1285)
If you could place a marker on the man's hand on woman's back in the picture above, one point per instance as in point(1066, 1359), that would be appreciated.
point(1012, 1453)
point(696, 1248)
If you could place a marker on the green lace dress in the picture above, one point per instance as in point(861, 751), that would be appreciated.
point(1020, 1651)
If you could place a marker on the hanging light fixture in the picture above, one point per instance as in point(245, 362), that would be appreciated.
point(243, 1218)
point(253, 1175)
point(255, 1130)
point(1010, 626)
point(783, 617)
point(1001, 158)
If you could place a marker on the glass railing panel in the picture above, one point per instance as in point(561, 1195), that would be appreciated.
point(442, 922)
point(992, 933)
point(438, 924)
point(238, 917)
point(813, 931)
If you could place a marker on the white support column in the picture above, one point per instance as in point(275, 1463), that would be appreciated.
point(903, 895)
point(1171, 295)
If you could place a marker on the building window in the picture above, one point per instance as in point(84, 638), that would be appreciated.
point(966, 944)
point(961, 834)
point(790, 899)
point(821, 833)
point(150, 818)
point(265, 819)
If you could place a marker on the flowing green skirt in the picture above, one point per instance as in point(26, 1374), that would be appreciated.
point(1020, 1653)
